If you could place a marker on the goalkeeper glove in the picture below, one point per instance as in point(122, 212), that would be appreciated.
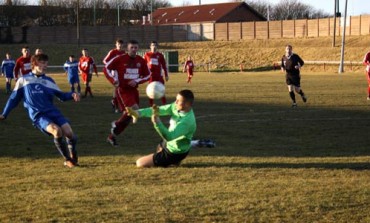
point(133, 113)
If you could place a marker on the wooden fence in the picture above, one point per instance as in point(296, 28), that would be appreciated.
point(357, 25)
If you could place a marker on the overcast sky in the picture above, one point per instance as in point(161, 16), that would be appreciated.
point(355, 7)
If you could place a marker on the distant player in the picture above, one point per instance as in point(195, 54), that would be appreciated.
point(23, 63)
point(37, 91)
point(71, 69)
point(156, 63)
point(176, 139)
point(291, 63)
point(112, 54)
point(132, 70)
point(86, 66)
point(7, 70)
point(38, 51)
point(366, 62)
point(189, 67)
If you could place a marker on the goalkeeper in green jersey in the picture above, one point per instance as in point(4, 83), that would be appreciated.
point(177, 137)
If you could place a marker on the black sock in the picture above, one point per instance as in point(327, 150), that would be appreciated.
point(72, 148)
point(7, 86)
point(62, 147)
point(292, 96)
point(301, 92)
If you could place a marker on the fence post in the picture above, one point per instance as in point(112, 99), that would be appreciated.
point(281, 29)
point(241, 31)
point(306, 28)
point(360, 27)
point(268, 29)
point(254, 30)
point(227, 31)
point(318, 27)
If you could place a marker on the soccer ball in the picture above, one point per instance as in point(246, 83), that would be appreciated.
point(155, 90)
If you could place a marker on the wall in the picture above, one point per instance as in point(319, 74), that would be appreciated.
point(358, 25)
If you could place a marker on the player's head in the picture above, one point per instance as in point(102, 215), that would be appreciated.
point(25, 51)
point(153, 46)
point(85, 52)
point(184, 100)
point(189, 57)
point(71, 58)
point(8, 55)
point(288, 49)
point(132, 48)
point(39, 63)
point(38, 51)
point(119, 44)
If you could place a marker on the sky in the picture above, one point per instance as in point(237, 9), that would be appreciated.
point(355, 7)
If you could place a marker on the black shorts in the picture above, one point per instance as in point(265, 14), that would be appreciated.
point(164, 158)
point(293, 80)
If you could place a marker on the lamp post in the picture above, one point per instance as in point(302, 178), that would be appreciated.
point(341, 70)
point(78, 23)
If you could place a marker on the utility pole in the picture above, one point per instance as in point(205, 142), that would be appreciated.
point(341, 70)
point(78, 23)
point(94, 12)
point(118, 15)
point(335, 21)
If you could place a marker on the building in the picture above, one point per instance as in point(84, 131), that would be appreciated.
point(199, 20)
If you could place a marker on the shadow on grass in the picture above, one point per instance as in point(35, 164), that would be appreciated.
point(335, 166)
point(239, 129)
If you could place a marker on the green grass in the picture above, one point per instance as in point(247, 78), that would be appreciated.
point(272, 163)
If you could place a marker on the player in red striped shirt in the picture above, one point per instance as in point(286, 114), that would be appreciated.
point(86, 65)
point(366, 62)
point(111, 54)
point(189, 66)
point(132, 70)
point(23, 63)
point(156, 63)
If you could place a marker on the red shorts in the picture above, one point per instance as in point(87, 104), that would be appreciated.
point(160, 79)
point(86, 77)
point(190, 73)
point(127, 97)
point(368, 77)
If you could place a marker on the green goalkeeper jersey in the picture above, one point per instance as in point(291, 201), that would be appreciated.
point(181, 130)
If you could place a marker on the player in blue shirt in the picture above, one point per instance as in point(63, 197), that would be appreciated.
point(37, 91)
point(7, 70)
point(71, 68)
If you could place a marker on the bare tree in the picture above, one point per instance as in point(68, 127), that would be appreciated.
point(286, 9)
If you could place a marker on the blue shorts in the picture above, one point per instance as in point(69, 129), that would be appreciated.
point(9, 75)
point(43, 120)
point(73, 79)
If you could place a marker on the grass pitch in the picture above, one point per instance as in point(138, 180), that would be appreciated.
point(272, 163)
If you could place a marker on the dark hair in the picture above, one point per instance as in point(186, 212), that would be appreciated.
point(73, 56)
point(38, 58)
point(155, 42)
point(25, 47)
point(119, 41)
point(132, 42)
point(188, 95)
point(85, 49)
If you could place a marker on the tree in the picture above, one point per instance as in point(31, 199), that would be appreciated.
point(286, 9)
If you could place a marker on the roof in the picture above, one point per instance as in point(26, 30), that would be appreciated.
point(197, 13)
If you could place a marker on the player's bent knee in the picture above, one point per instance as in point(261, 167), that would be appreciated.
point(55, 130)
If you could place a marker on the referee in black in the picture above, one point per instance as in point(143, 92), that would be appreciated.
point(291, 63)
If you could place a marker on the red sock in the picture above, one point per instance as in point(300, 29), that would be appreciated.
point(122, 123)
